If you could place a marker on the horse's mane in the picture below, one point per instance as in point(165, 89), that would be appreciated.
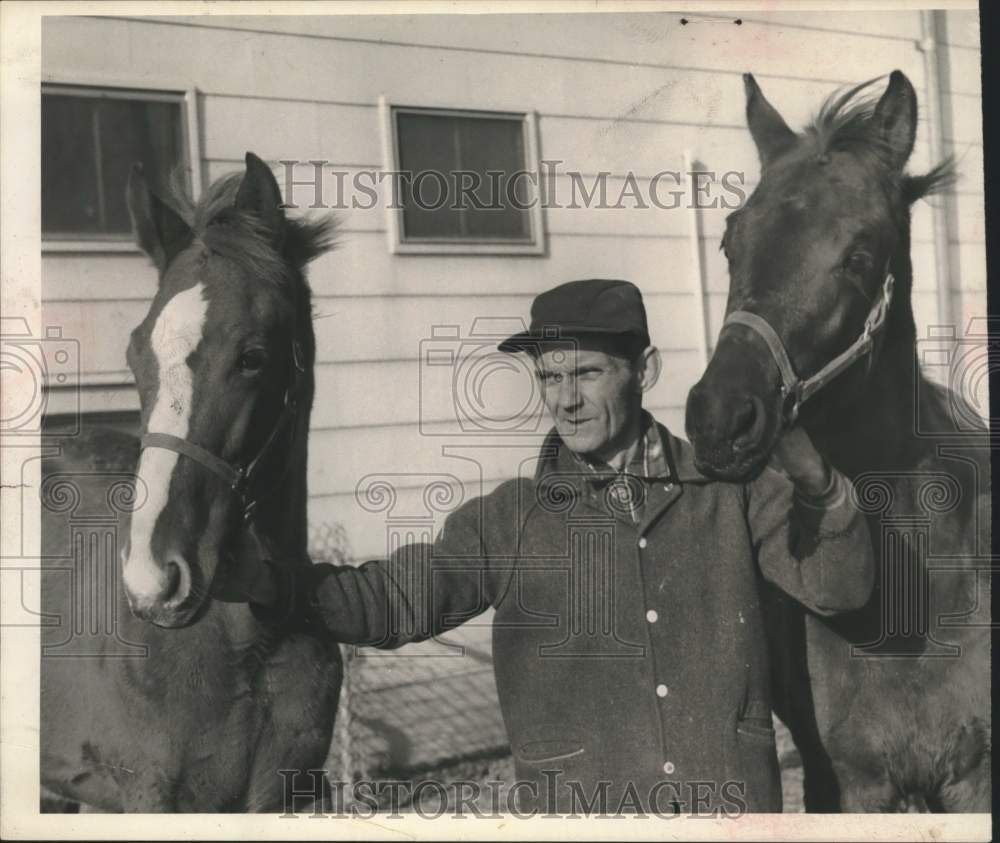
point(243, 238)
point(846, 120)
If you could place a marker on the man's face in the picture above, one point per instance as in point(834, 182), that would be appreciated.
point(593, 397)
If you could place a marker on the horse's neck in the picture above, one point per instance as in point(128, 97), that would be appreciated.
point(282, 514)
point(875, 430)
point(281, 518)
point(281, 521)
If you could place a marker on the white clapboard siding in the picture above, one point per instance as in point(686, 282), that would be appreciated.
point(962, 29)
point(627, 39)
point(650, 40)
point(961, 71)
point(286, 67)
point(361, 266)
point(626, 94)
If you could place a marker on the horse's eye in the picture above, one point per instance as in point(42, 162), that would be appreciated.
point(252, 361)
point(859, 263)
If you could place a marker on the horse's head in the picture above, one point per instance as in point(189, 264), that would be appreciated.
point(810, 255)
point(223, 365)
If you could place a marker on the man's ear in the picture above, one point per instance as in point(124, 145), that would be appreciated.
point(649, 365)
point(159, 230)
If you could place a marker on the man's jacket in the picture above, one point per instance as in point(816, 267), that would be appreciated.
point(630, 658)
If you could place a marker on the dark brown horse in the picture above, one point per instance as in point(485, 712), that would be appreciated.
point(160, 689)
point(889, 705)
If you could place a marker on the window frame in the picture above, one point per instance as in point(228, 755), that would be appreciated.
point(398, 244)
point(184, 94)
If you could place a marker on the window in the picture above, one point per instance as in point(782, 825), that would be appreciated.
point(90, 139)
point(466, 182)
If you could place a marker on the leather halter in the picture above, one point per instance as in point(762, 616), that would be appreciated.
point(240, 477)
point(795, 391)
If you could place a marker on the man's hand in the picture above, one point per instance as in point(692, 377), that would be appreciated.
point(247, 576)
point(796, 457)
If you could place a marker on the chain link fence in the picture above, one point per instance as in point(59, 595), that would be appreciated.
point(413, 712)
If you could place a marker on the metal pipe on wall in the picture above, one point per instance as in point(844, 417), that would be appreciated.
point(696, 262)
point(930, 44)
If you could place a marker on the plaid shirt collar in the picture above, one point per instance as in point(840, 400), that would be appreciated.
point(649, 462)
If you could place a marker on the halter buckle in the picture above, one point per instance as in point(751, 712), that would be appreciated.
point(791, 400)
point(240, 480)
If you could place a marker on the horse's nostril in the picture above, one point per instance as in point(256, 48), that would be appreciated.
point(173, 572)
point(743, 419)
point(745, 429)
point(178, 585)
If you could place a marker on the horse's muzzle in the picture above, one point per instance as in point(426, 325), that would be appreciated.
point(729, 422)
point(167, 594)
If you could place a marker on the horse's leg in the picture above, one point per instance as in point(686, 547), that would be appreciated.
point(969, 787)
point(865, 790)
point(267, 792)
point(793, 698)
point(971, 794)
point(821, 789)
point(300, 729)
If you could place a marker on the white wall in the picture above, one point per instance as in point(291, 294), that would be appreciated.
point(613, 93)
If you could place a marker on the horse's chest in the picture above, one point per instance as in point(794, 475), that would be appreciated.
point(299, 685)
point(283, 719)
point(226, 740)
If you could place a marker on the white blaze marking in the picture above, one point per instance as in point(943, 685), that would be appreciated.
point(175, 335)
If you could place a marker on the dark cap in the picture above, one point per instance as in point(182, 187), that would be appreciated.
point(579, 308)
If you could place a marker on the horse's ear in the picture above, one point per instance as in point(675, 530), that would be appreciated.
point(159, 230)
point(896, 117)
point(259, 195)
point(769, 130)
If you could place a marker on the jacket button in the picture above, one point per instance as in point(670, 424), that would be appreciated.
point(651, 616)
point(668, 768)
point(661, 690)
point(643, 542)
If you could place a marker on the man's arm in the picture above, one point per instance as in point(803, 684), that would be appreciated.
point(419, 591)
point(810, 540)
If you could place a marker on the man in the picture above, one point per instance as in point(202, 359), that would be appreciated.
point(628, 641)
